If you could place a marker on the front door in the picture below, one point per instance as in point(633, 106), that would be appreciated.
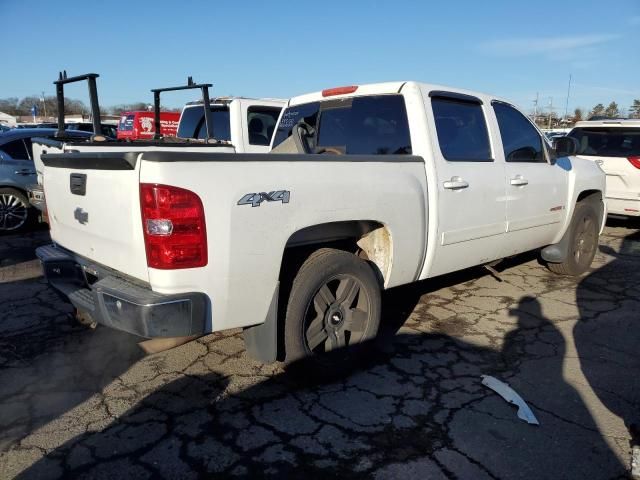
point(536, 188)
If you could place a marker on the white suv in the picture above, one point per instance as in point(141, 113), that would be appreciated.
point(615, 145)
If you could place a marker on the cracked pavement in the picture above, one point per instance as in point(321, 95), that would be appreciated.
point(82, 403)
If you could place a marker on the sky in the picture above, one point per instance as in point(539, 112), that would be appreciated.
point(285, 48)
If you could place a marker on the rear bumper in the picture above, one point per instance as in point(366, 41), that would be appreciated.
point(116, 302)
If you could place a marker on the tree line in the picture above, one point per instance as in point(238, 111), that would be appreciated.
point(49, 106)
point(610, 111)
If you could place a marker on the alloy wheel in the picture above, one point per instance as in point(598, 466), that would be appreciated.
point(13, 212)
point(338, 315)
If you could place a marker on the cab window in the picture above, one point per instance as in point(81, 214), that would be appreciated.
point(462, 130)
point(520, 139)
point(16, 150)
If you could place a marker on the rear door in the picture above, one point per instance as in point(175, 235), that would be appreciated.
point(470, 182)
point(536, 189)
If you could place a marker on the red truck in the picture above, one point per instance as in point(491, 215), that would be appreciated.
point(139, 125)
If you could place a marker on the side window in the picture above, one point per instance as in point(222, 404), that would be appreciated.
point(15, 150)
point(378, 126)
point(462, 130)
point(520, 140)
point(261, 122)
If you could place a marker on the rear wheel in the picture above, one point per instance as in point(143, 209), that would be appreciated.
point(15, 211)
point(583, 242)
point(333, 310)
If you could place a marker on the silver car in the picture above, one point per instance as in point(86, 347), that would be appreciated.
point(17, 171)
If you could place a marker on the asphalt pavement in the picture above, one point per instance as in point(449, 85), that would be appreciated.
point(83, 403)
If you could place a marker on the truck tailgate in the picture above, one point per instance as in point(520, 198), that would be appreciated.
point(93, 202)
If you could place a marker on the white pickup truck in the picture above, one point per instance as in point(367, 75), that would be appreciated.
point(392, 183)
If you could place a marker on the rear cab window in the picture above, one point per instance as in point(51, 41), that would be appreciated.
point(607, 141)
point(367, 125)
point(192, 124)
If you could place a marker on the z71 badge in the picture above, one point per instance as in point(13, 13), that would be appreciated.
point(256, 199)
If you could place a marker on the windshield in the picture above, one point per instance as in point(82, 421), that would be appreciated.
point(607, 141)
point(192, 123)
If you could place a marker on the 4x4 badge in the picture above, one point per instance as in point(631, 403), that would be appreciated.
point(255, 199)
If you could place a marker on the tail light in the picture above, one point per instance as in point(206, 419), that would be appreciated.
point(173, 222)
point(330, 92)
point(635, 161)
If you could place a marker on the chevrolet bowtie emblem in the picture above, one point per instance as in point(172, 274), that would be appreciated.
point(81, 216)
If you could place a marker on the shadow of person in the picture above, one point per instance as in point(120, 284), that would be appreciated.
point(533, 359)
point(418, 411)
point(607, 335)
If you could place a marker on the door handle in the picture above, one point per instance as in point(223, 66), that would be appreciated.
point(519, 181)
point(24, 171)
point(456, 183)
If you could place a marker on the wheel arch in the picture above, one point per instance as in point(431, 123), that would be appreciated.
point(370, 239)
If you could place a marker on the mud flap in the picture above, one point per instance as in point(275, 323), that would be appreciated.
point(261, 341)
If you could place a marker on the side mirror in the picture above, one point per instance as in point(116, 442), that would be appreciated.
point(565, 146)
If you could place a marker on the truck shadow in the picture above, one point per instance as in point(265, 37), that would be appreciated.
point(607, 335)
point(419, 409)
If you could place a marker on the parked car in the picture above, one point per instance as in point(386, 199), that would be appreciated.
point(17, 171)
point(615, 146)
point(390, 184)
point(140, 125)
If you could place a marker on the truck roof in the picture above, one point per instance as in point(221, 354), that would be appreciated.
point(386, 88)
point(613, 122)
point(225, 100)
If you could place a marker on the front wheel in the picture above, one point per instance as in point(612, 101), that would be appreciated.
point(583, 242)
point(333, 310)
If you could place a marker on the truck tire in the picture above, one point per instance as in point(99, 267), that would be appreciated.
point(333, 312)
point(583, 243)
point(15, 212)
